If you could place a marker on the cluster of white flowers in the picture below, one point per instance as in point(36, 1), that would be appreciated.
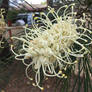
point(2, 24)
point(51, 46)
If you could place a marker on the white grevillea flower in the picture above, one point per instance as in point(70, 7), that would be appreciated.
point(53, 44)
point(2, 25)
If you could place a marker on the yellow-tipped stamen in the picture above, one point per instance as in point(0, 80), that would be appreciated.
point(34, 84)
point(60, 72)
point(42, 88)
point(65, 77)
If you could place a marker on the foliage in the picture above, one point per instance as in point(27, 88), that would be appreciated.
point(1, 2)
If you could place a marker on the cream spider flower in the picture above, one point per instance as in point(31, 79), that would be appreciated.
point(53, 44)
point(2, 25)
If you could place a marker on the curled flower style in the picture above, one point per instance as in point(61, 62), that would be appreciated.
point(53, 44)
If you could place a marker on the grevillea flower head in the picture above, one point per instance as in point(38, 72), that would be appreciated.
point(2, 24)
point(53, 44)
